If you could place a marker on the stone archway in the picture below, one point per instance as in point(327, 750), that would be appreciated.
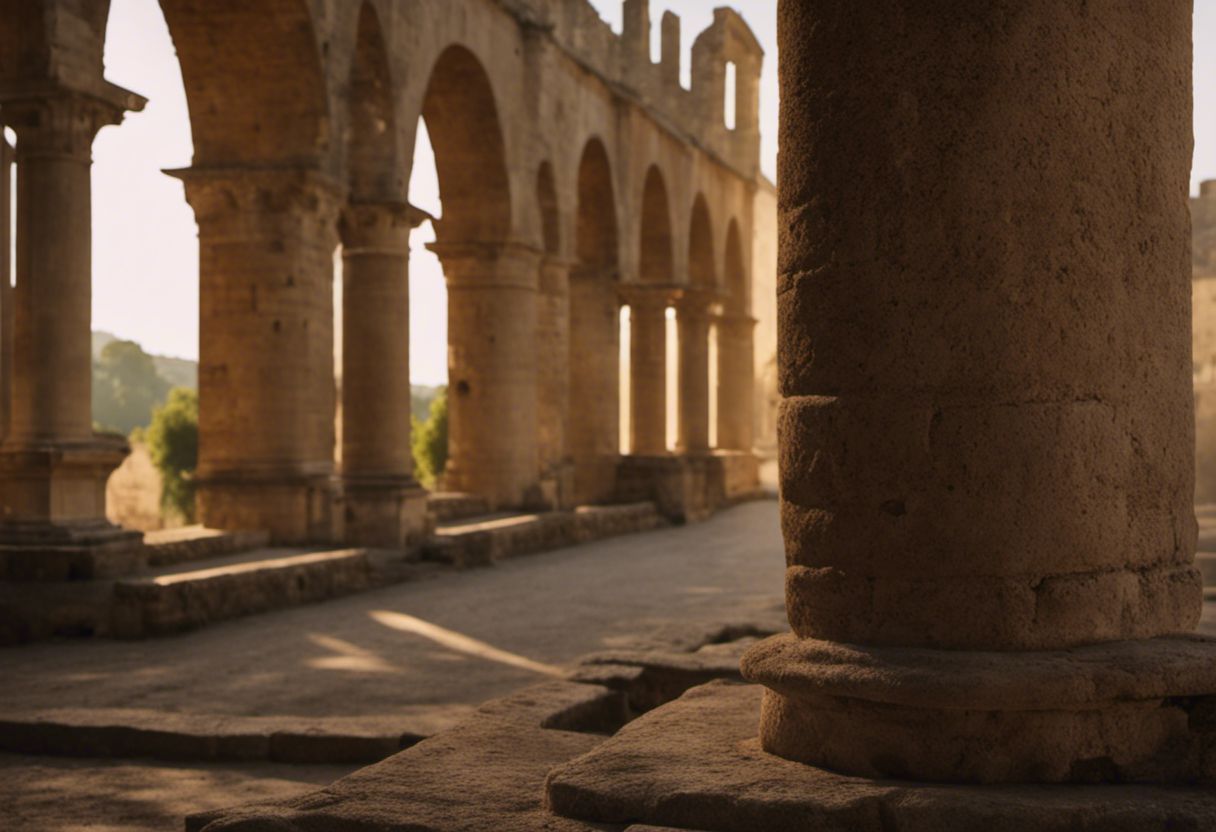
point(492, 281)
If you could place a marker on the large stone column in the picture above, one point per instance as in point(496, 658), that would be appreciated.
point(736, 382)
point(594, 425)
point(692, 319)
point(266, 349)
point(647, 370)
point(492, 448)
point(986, 440)
point(553, 381)
point(383, 505)
point(53, 469)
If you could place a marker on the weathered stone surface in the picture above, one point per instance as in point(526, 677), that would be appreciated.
point(696, 764)
point(562, 706)
point(486, 774)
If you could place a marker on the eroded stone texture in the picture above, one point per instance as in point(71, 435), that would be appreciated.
point(986, 439)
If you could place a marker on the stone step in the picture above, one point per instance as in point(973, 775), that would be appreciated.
point(448, 506)
point(190, 543)
point(483, 540)
point(180, 597)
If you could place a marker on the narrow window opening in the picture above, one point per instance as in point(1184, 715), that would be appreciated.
point(626, 382)
point(673, 379)
point(730, 105)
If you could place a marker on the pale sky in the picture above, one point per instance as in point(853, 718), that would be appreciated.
point(145, 249)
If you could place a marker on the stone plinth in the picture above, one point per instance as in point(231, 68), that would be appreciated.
point(715, 777)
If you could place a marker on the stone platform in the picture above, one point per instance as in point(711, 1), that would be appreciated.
point(697, 764)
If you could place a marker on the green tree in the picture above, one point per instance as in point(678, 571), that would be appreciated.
point(430, 441)
point(173, 445)
point(126, 387)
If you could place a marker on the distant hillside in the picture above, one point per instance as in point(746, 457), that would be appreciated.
point(179, 372)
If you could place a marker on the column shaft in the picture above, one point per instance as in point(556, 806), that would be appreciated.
point(692, 318)
point(553, 380)
point(594, 425)
point(986, 428)
point(53, 469)
point(266, 372)
point(492, 371)
point(383, 505)
point(648, 375)
point(736, 383)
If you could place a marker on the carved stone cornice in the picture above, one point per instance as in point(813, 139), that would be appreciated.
point(373, 228)
point(53, 122)
point(479, 263)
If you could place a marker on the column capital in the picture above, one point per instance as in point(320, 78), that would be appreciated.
point(51, 120)
point(691, 301)
point(647, 295)
point(379, 227)
point(488, 263)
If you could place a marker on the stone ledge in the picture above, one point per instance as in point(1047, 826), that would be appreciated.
point(696, 764)
point(1181, 665)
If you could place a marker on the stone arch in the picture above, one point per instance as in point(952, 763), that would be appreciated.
point(735, 270)
point(372, 164)
point(655, 264)
point(470, 156)
point(254, 81)
point(596, 232)
point(701, 271)
point(593, 427)
point(546, 201)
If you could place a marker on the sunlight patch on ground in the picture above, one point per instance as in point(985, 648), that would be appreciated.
point(347, 656)
point(461, 643)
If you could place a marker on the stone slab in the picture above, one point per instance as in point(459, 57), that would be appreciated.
point(696, 764)
point(127, 733)
point(487, 774)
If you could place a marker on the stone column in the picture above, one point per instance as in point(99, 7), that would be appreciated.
point(383, 505)
point(492, 377)
point(594, 427)
point(553, 381)
point(692, 319)
point(648, 370)
point(53, 469)
point(736, 382)
point(986, 438)
point(266, 349)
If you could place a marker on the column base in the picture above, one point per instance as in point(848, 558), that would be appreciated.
point(384, 512)
point(696, 763)
point(1131, 711)
point(292, 508)
point(53, 524)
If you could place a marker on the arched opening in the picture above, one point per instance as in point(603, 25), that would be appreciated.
point(655, 262)
point(492, 364)
point(648, 366)
point(694, 324)
point(593, 429)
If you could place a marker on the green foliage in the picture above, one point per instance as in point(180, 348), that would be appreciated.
point(430, 440)
point(173, 445)
point(126, 387)
point(421, 397)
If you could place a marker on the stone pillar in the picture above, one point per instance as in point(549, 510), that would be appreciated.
point(594, 427)
point(647, 370)
point(553, 381)
point(266, 349)
point(53, 469)
point(383, 505)
point(692, 319)
point(986, 438)
point(736, 382)
point(492, 377)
